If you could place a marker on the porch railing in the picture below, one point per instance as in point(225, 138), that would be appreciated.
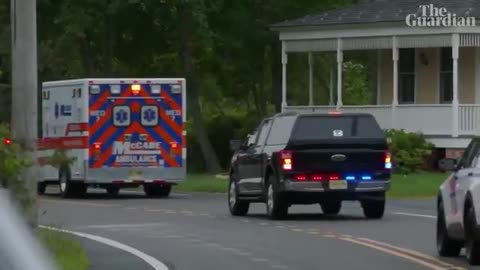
point(429, 119)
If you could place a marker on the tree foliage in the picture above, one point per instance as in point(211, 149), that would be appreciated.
point(225, 48)
point(12, 162)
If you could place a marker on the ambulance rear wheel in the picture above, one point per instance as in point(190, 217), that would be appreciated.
point(157, 191)
point(113, 191)
point(41, 188)
point(67, 188)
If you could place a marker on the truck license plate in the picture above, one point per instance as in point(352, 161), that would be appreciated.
point(338, 184)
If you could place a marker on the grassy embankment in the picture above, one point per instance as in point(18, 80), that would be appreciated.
point(67, 252)
point(418, 185)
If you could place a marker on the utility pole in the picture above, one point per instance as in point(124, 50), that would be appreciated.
point(24, 89)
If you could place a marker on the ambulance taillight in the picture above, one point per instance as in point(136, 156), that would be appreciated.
point(175, 148)
point(97, 149)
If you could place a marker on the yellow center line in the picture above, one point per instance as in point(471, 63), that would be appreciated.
point(409, 251)
point(394, 253)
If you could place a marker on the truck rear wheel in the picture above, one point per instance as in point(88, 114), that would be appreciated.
point(235, 205)
point(374, 208)
point(331, 207)
point(277, 205)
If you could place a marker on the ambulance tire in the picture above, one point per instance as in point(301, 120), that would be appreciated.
point(41, 188)
point(80, 189)
point(157, 191)
point(65, 184)
point(113, 191)
point(68, 188)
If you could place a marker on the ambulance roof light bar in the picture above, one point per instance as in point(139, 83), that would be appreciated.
point(115, 89)
point(136, 88)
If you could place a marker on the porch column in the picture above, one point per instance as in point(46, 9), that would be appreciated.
point(284, 76)
point(455, 49)
point(339, 73)
point(331, 86)
point(395, 80)
point(379, 77)
point(310, 79)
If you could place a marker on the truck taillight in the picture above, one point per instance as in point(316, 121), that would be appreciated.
point(286, 160)
point(388, 160)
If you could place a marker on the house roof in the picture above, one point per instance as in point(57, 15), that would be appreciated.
point(382, 11)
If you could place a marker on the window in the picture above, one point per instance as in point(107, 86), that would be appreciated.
point(327, 127)
point(149, 115)
point(446, 75)
point(469, 154)
point(121, 116)
point(251, 139)
point(281, 129)
point(473, 158)
point(406, 76)
point(263, 132)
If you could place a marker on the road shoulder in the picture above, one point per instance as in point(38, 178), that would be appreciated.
point(104, 257)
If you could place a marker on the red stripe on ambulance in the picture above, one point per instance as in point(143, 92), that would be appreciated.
point(77, 142)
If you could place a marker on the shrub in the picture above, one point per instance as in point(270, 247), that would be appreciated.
point(12, 162)
point(408, 149)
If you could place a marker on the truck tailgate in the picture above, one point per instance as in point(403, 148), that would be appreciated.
point(338, 160)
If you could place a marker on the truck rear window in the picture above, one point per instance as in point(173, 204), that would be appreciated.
point(330, 127)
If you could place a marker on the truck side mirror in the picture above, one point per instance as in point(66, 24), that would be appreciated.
point(235, 145)
point(448, 164)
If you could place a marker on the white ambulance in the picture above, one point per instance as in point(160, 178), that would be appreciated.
point(119, 133)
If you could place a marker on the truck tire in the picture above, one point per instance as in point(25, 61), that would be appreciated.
point(472, 244)
point(277, 204)
point(331, 207)
point(374, 208)
point(446, 246)
point(236, 206)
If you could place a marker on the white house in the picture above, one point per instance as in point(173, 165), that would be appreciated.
point(428, 62)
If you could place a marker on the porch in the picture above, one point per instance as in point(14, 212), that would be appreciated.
point(430, 83)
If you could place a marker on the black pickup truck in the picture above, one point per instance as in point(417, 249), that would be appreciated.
point(311, 158)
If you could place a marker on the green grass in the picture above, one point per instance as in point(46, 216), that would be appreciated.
point(417, 185)
point(202, 183)
point(68, 253)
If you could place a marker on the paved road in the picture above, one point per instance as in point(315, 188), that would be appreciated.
point(195, 231)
